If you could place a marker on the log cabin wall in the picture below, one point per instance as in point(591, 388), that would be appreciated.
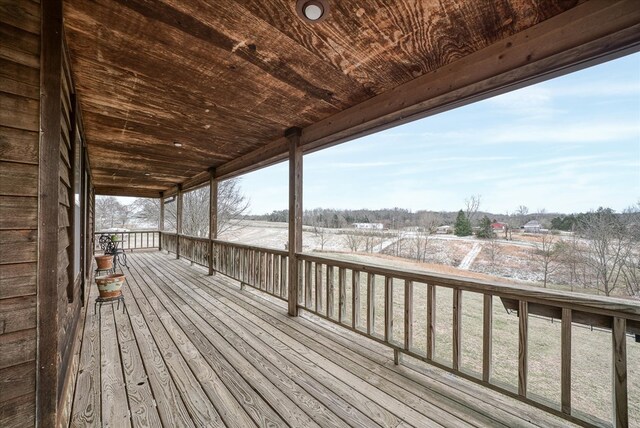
point(41, 289)
point(19, 135)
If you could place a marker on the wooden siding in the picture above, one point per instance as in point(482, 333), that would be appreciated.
point(19, 126)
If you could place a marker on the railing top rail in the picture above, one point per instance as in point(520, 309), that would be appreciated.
point(195, 238)
point(596, 304)
point(111, 232)
point(252, 247)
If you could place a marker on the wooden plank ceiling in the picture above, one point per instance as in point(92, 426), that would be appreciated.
point(226, 78)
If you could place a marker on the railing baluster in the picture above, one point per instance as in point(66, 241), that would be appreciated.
point(457, 328)
point(342, 296)
point(408, 315)
point(283, 276)
point(487, 331)
point(523, 316)
point(276, 274)
point(355, 298)
point(619, 353)
point(388, 308)
point(308, 287)
point(330, 291)
point(565, 362)
point(431, 321)
point(318, 288)
point(371, 303)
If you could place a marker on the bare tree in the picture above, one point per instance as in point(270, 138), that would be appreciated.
point(112, 213)
point(546, 256)
point(631, 264)
point(353, 240)
point(472, 204)
point(427, 224)
point(322, 235)
point(232, 206)
point(494, 249)
point(608, 244)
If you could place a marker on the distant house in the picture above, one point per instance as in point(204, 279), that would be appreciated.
point(533, 226)
point(498, 226)
point(443, 230)
point(376, 226)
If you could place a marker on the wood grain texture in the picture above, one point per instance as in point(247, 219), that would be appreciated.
point(282, 370)
point(17, 347)
point(619, 363)
point(565, 362)
point(408, 315)
point(457, 329)
point(295, 216)
point(523, 347)
point(273, 71)
point(487, 337)
point(48, 232)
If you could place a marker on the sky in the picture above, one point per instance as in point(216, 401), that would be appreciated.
point(570, 144)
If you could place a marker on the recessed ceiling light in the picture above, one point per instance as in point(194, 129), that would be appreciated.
point(312, 10)
point(175, 143)
point(146, 173)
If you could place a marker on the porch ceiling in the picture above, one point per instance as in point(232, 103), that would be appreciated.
point(226, 78)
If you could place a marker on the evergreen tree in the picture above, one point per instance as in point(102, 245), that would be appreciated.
point(462, 226)
point(485, 228)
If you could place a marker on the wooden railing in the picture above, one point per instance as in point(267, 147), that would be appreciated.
point(131, 240)
point(260, 268)
point(364, 298)
point(345, 293)
point(195, 249)
point(169, 242)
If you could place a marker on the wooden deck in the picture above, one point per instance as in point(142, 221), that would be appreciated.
point(195, 350)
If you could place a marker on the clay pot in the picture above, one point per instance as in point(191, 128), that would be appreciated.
point(105, 262)
point(110, 286)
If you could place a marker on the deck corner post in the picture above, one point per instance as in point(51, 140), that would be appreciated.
point(48, 366)
point(178, 220)
point(161, 221)
point(213, 215)
point(295, 213)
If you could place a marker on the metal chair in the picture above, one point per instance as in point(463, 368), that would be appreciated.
point(109, 246)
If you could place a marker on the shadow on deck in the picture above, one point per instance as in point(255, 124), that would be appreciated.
point(195, 350)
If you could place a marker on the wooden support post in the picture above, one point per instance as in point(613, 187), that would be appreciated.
point(523, 317)
point(161, 224)
point(178, 220)
point(431, 320)
point(295, 213)
point(487, 337)
point(213, 216)
point(619, 348)
point(408, 315)
point(565, 362)
point(48, 231)
point(457, 328)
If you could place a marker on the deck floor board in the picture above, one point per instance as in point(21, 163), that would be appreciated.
point(196, 350)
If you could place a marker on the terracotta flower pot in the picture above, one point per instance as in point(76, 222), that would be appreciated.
point(110, 286)
point(105, 261)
